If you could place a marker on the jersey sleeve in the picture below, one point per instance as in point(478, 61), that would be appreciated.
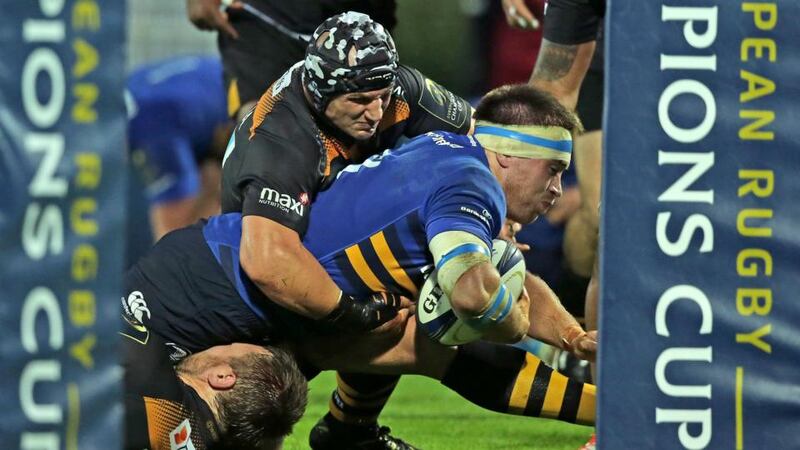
point(572, 22)
point(474, 204)
point(278, 177)
point(432, 107)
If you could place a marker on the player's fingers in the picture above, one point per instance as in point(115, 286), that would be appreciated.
point(525, 14)
point(395, 325)
point(518, 15)
point(404, 302)
point(522, 247)
point(221, 23)
point(395, 300)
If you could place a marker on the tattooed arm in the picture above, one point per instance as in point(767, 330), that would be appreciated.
point(560, 70)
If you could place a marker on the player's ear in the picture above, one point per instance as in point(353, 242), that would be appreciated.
point(503, 160)
point(220, 377)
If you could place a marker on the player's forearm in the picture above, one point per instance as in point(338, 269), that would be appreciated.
point(472, 297)
point(275, 259)
point(560, 70)
point(549, 320)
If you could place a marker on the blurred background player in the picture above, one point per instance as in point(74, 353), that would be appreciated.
point(177, 133)
point(228, 396)
point(260, 39)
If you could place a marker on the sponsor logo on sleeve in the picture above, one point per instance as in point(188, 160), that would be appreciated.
point(436, 91)
point(484, 215)
point(439, 139)
point(284, 202)
point(442, 104)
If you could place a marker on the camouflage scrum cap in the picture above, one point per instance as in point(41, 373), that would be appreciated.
point(349, 52)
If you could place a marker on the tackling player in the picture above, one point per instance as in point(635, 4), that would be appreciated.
point(176, 133)
point(347, 100)
point(444, 198)
point(228, 396)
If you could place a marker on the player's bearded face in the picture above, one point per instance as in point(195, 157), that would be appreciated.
point(359, 113)
point(532, 187)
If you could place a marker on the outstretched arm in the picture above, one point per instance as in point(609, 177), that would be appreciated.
point(551, 323)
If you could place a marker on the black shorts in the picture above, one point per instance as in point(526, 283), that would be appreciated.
point(260, 56)
point(590, 101)
point(572, 22)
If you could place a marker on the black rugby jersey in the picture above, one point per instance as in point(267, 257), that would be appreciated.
point(280, 156)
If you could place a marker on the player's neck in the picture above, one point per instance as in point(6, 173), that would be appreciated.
point(204, 391)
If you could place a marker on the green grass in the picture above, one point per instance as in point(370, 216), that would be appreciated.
point(427, 414)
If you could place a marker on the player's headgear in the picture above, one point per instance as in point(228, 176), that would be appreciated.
point(349, 52)
point(525, 141)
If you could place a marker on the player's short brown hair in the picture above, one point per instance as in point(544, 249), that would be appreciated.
point(269, 397)
point(522, 104)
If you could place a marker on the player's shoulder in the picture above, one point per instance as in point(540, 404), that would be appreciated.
point(448, 148)
point(446, 152)
point(411, 83)
point(282, 113)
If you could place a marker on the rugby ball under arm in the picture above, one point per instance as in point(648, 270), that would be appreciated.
point(435, 316)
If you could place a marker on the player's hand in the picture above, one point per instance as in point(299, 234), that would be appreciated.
point(508, 232)
point(206, 15)
point(519, 16)
point(580, 343)
point(368, 313)
point(393, 328)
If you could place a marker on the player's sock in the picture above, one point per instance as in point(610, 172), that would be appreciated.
point(359, 399)
point(509, 380)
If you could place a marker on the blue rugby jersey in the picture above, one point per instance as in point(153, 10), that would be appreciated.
point(370, 230)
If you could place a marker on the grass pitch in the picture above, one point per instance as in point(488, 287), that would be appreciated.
point(427, 414)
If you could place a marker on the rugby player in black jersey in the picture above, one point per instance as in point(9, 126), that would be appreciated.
point(348, 99)
point(228, 396)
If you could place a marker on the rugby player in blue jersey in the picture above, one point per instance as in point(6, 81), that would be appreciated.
point(177, 132)
point(440, 199)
